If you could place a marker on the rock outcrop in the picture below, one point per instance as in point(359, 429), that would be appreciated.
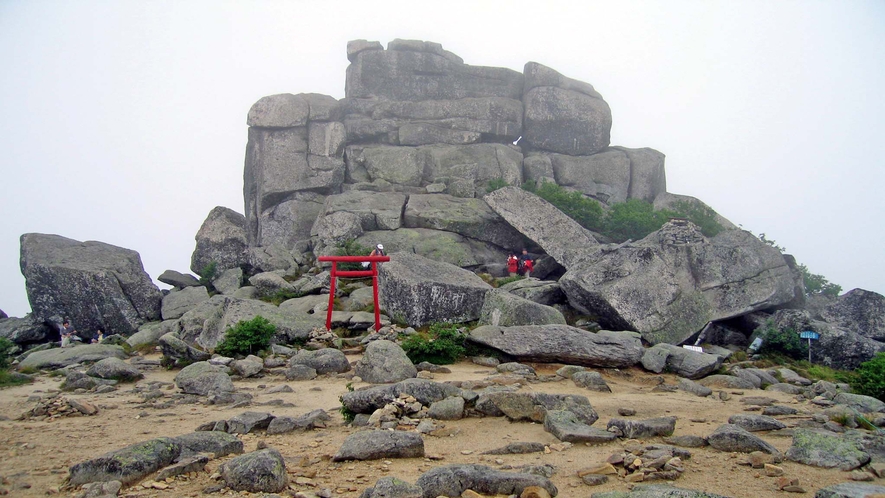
point(670, 284)
point(96, 285)
point(221, 240)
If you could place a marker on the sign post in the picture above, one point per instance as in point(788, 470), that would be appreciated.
point(810, 335)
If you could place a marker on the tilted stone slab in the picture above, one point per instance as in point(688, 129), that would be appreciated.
point(755, 423)
point(97, 285)
point(420, 291)
point(565, 426)
point(850, 490)
point(127, 465)
point(558, 235)
point(378, 444)
point(670, 284)
point(562, 344)
point(417, 70)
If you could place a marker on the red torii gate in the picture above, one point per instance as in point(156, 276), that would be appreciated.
point(354, 274)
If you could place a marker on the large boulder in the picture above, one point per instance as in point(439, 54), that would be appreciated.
point(323, 361)
point(375, 445)
point(504, 309)
point(670, 284)
point(538, 291)
point(178, 280)
point(558, 235)
point(454, 480)
point(97, 285)
point(413, 70)
point(375, 211)
point(418, 291)
point(455, 122)
point(681, 361)
point(826, 449)
point(563, 115)
point(469, 217)
point(384, 362)
point(221, 240)
point(837, 347)
point(179, 302)
point(202, 379)
point(860, 311)
point(262, 471)
point(562, 344)
point(63, 357)
point(286, 223)
point(463, 170)
point(25, 330)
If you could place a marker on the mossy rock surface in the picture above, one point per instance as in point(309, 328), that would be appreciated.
point(127, 465)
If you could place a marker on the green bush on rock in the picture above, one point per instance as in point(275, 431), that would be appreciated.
point(869, 377)
point(442, 344)
point(247, 337)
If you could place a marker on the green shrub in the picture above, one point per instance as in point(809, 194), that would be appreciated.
point(506, 280)
point(247, 337)
point(495, 183)
point(818, 284)
point(208, 274)
point(6, 349)
point(442, 344)
point(634, 219)
point(781, 341)
point(699, 214)
point(586, 211)
point(351, 248)
point(870, 377)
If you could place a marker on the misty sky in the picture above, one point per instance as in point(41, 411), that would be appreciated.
point(124, 121)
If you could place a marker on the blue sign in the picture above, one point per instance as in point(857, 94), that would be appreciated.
point(808, 334)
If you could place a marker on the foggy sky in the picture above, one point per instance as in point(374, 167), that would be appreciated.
point(124, 121)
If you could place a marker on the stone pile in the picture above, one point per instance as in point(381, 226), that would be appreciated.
point(57, 407)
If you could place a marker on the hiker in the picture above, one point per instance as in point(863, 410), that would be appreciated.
point(99, 336)
point(512, 264)
point(66, 332)
point(526, 264)
point(377, 251)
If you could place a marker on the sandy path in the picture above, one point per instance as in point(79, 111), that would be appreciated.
point(38, 453)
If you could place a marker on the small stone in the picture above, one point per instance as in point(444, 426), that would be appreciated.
point(466, 452)
point(604, 469)
point(626, 412)
point(773, 470)
point(469, 493)
point(794, 488)
point(635, 477)
point(594, 479)
point(783, 482)
point(534, 492)
point(859, 475)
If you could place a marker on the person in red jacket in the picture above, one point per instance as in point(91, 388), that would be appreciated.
point(526, 264)
point(512, 264)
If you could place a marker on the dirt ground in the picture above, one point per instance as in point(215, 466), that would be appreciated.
point(35, 455)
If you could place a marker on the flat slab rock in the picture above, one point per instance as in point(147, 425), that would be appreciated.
point(453, 480)
point(642, 429)
point(826, 449)
point(731, 438)
point(127, 465)
point(657, 491)
point(375, 445)
point(850, 490)
point(565, 426)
